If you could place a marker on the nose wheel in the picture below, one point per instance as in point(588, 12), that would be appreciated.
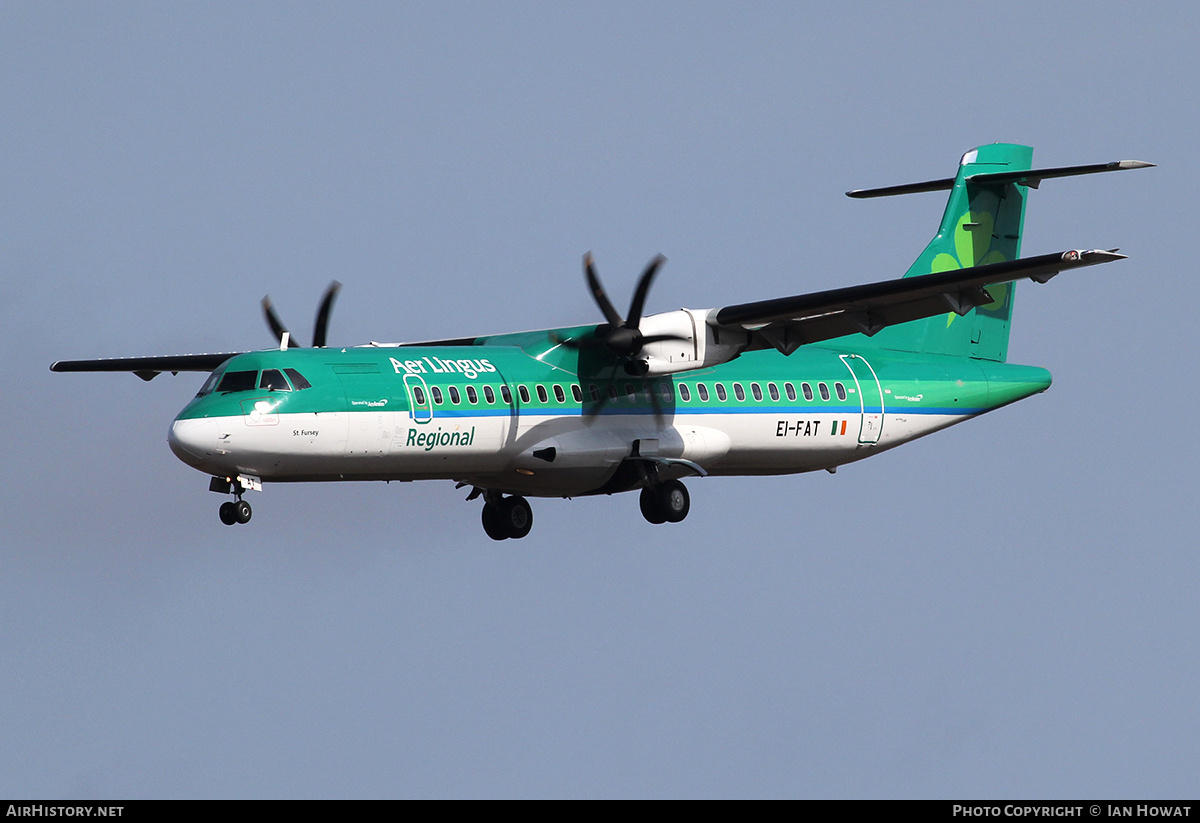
point(507, 517)
point(667, 502)
point(235, 511)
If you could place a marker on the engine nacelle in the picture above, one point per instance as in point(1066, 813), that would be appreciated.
point(699, 346)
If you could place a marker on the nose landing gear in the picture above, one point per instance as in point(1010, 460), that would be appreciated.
point(237, 510)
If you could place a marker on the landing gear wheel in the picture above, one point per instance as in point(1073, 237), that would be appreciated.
point(674, 501)
point(242, 512)
point(493, 524)
point(226, 513)
point(651, 510)
point(517, 516)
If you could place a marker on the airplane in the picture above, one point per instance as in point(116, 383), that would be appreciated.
point(636, 403)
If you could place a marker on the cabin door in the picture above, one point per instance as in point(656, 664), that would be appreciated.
point(870, 397)
point(420, 408)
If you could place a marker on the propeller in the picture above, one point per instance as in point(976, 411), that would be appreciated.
point(319, 328)
point(621, 336)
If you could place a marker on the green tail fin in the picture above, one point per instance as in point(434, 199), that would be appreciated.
point(982, 225)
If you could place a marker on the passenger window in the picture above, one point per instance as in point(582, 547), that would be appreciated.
point(841, 391)
point(824, 390)
point(665, 390)
point(721, 392)
point(298, 381)
point(506, 394)
point(437, 395)
point(756, 391)
point(702, 390)
point(738, 392)
point(807, 389)
point(612, 391)
point(790, 390)
point(472, 397)
point(418, 395)
point(455, 398)
point(559, 394)
point(489, 395)
point(238, 381)
point(630, 393)
point(577, 392)
point(684, 394)
point(594, 392)
point(542, 396)
point(524, 392)
point(773, 391)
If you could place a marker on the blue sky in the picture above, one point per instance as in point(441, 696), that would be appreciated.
point(1006, 609)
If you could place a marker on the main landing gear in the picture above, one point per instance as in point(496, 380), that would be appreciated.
point(666, 502)
point(505, 517)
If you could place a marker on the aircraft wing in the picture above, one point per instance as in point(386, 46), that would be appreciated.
point(148, 368)
point(789, 322)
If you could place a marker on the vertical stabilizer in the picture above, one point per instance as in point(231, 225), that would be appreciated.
point(982, 224)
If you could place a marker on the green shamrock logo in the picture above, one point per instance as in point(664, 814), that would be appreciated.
point(973, 247)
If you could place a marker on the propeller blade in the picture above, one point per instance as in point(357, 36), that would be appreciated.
point(273, 321)
point(624, 341)
point(606, 306)
point(622, 337)
point(593, 341)
point(639, 295)
point(579, 343)
point(322, 324)
point(607, 390)
point(592, 412)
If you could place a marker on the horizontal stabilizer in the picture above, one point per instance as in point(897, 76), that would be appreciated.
point(148, 368)
point(944, 184)
point(1026, 177)
point(1033, 177)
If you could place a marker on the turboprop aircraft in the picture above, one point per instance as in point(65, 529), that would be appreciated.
point(781, 386)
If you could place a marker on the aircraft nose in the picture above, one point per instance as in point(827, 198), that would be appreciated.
point(193, 440)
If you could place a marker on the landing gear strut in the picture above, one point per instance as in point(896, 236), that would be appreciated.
point(666, 502)
point(505, 517)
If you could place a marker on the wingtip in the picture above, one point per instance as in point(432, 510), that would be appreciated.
point(1094, 255)
point(1135, 164)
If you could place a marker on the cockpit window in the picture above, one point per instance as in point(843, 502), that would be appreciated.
point(209, 383)
point(237, 381)
point(272, 380)
point(298, 379)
